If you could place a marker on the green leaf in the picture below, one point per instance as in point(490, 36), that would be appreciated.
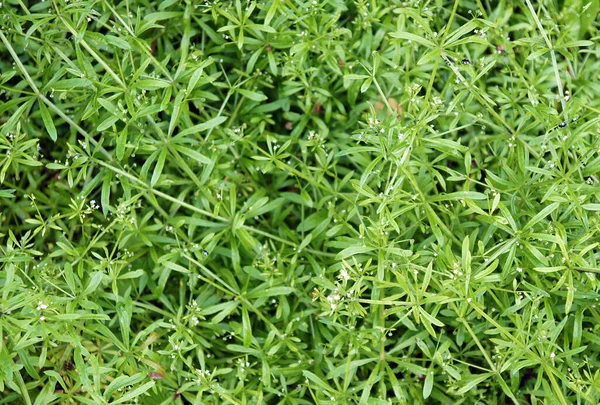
point(7, 193)
point(107, 123)
point(243, 349)
point(105, 194)
point(47, 395)
point(271, 12)
point(212, 123)
point(159, 167)
point(14, 118)
point(472, 382)
point(132, 274)
point(459, 195)
point(252, 95)
point(163, 15)
point(355, 77)
point(469, 27)
point(197, 156)
point(316, 380)
point(271, 292)
point(412, 37)
point(152, 84)
point(246, 327)
point(541, 215)
point(122, 381)
point(197, 75)
point(47, 119)
point(118, 42)
point(223, 310)
point(588, 15)
point(352, 251)
point(341, 370)
point(550, 269)
point(312, 221)
point(93, 283)
point(176, 267)
point(110, 107)
point(428, 385)
point(134, 393)
point(121, 142)
point(430, 318)
point(176, 111)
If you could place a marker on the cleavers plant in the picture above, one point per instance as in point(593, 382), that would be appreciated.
point(299, 202)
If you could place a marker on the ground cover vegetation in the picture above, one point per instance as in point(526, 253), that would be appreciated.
point(299, 202)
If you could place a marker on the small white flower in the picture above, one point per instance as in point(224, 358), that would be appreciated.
point(519, 270)
point(344, 275)
point(333, 298)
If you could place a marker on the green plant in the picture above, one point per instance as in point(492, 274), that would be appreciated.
point(299, 202)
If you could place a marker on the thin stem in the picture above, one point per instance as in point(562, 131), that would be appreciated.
point(540, 27)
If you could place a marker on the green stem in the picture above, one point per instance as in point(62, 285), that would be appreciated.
point(540, 27)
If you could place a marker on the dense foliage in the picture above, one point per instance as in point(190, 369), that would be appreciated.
point(298, 202)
